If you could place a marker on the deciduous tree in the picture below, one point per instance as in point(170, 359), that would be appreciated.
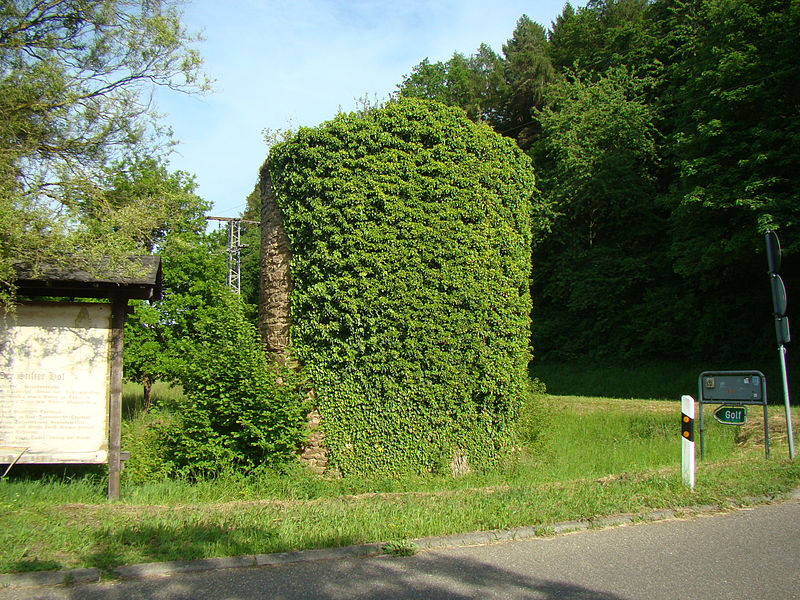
point(604, 255)
point(76, 83)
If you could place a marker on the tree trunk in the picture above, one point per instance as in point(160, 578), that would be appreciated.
point(148, 386)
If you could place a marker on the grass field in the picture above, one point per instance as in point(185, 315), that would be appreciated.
point(600, 456)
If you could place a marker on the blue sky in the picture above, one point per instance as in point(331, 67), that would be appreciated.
point(290, 64)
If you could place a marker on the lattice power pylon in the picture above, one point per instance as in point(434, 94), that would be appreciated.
point(234, 278)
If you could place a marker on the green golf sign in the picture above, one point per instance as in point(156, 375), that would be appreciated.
point(731, 415)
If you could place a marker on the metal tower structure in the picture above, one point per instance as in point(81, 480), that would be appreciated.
point(235, 246)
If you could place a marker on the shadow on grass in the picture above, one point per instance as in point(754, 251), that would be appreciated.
point(651, 379)
point(159, 542)
point(31, 565)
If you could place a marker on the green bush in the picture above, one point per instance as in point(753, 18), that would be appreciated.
point(410, 229)
point(239, 410)
point(535, 418)
point(143, 435)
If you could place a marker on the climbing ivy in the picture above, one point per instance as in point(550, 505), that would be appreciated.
point(410, 230)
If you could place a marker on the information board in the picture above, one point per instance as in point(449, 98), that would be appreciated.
point(735, 390)
point(736, 387)
point(55, 367)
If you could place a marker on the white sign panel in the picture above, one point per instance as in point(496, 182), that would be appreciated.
point(55, 371)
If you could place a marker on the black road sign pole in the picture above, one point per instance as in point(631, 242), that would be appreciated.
point(766, 428)
point(702, 439)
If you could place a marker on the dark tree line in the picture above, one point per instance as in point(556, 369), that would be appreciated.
point(666, 140)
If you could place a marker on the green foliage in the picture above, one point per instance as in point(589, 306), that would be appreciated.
point(192, 265)
point(400, 548)
point(75, 84)
point(601, 139)
point(143, 435)
point(732, 75)
point(599, 147)
point(427, 81)
point(238, 411)
point(535, 418)
point(668, 145)
point(475, 83)
point(528, 72)
point(410, 229)
point(600, 35)
point(173, 206)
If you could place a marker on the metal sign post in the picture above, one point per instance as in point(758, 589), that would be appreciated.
point(782, 352)
point(779, 305)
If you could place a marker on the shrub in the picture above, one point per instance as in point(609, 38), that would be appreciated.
point(535, 418)
point(239, 410)
point(143, 435)
point(410, 230)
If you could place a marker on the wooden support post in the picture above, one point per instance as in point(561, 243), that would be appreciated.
point(119, 306)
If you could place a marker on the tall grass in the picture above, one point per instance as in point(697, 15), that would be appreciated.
point(599, 437)
point(586, 438)
point(133, 396)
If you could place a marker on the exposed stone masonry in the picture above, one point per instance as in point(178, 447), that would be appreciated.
point(274, 308)
point(274, 318)
point(314, 455)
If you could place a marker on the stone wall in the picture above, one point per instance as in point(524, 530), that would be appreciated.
point(274, 307)
point(275, 287)
point(314, 455)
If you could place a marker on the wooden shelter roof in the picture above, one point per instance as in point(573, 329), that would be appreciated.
point(137, 277)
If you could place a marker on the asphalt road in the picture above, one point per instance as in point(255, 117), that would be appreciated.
point(746, 554)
